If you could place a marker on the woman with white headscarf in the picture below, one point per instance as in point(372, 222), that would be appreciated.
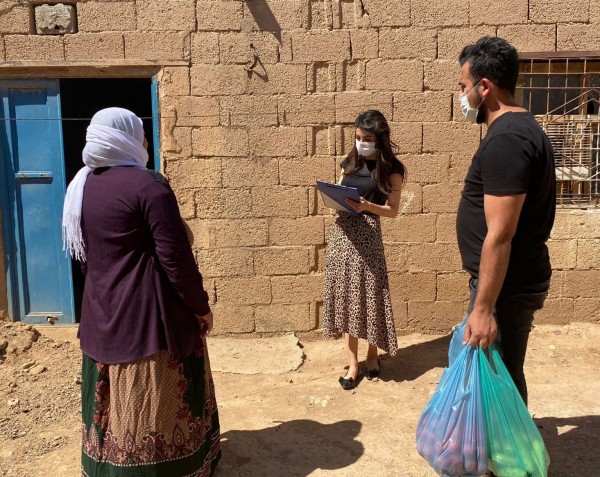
point(148, 398)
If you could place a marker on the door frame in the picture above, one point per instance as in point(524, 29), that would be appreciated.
point(13, 293)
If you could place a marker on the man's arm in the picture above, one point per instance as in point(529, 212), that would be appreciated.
point(502, 216)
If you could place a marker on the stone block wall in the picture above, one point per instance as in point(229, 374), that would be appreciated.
point(242, 148)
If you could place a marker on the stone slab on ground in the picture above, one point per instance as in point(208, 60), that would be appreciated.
point(61, 333)
point(275, 355)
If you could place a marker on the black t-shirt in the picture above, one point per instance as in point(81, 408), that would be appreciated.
point(515, 157)
point(363, 180)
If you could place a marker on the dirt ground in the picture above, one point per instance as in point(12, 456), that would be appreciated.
point(286, 422)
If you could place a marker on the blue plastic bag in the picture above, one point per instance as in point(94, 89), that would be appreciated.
point(476, 421)
point(451, 431)
point(456, 345)
point(516, 448)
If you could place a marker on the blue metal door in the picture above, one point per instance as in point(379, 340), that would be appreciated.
point(32, 188)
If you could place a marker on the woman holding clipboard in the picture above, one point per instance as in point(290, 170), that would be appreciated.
point(357, 301)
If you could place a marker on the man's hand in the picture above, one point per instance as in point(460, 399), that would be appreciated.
point(480, 329)
point(206, 324)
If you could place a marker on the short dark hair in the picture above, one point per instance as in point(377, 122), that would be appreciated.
point(493, 58)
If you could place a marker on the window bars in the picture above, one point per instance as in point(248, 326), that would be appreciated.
point(564, 95)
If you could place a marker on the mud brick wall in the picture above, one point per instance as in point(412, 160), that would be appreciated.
point(242, 149)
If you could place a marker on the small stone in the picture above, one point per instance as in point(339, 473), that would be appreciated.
point(6, 454)
point(29, 364)
point(3, 345)
point(551, 346)
point(55, 19)
point(77, 380)
point(38, 369)
point(13, 402)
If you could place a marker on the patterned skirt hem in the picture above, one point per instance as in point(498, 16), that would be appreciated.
point(207, 470)
point(335, 334)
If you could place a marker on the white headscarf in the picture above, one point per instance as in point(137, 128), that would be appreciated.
point(115, 137)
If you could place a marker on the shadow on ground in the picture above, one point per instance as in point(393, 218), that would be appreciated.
point(295, 448)
point(577, 434)
point(415, 360)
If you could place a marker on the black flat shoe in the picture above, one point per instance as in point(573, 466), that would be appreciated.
point(371, 374)
point(347, 383)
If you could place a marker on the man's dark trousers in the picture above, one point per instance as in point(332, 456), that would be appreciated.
point(514, 312)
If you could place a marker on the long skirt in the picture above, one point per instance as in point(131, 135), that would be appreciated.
point(154, 417)
point(357, 292)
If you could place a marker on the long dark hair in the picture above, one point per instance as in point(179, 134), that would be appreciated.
point(375, 122)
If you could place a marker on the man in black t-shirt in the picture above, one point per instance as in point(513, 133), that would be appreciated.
point(507, 206)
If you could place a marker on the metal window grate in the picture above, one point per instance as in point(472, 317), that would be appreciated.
point(564, 95)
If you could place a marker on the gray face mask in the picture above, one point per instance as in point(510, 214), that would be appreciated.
point(469, 113)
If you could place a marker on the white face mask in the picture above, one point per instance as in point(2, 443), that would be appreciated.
point(365, 149)
point(469, 113)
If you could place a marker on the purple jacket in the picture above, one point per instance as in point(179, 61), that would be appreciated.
point(142, 285)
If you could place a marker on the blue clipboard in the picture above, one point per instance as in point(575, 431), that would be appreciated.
point(335, 194)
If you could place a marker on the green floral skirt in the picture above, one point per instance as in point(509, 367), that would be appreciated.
point(155, 417)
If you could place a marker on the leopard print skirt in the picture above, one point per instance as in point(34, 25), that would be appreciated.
point(357, 293)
